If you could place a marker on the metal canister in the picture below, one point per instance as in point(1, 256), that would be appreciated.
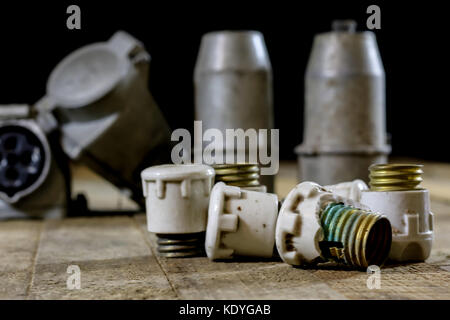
point(107, 116)
point(233, 85)
point(345, 121)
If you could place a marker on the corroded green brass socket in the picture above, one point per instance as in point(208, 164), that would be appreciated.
point(355, 237)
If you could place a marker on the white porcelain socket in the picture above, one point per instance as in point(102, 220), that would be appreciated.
point(351, 189)
point(261, 188)
point(299, 229)
point(411, 220)
point(240, 223)
point(177, 197)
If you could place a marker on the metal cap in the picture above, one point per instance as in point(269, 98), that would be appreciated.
point(177, 172)
point(239, 50)
point(89, 73)
point(345, 52)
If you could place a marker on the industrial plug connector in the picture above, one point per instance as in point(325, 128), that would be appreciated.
point(177, 198)
point(98, 96)
point(240, 223)
point(395, 191)
point(314, 225)
point(34, 178)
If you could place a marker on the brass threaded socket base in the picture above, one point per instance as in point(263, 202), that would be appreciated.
point(181, 245)
point(395, 177)
point(238, 175)
point(355, 237)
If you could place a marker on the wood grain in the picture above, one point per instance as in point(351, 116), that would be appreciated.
point(114, 260)
point(117, 259)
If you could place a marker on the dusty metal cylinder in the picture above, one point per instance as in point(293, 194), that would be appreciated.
point(233, 84)
point(345, 121)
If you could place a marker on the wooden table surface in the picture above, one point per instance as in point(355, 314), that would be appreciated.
point(117, 258)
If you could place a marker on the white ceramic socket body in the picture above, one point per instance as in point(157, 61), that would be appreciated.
point(411, 220)
point(177, 197)
point(299, 230)
point(260, 188)
point(240, 222)
point(350, 189)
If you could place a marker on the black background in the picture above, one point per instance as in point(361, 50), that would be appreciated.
point(169, 309)
point(412, 40)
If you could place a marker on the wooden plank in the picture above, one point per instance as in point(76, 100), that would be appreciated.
point(114, 260)
point(18, 245)
point(408, 281)
point(199, 278)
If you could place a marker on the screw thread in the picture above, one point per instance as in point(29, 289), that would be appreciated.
point(395, 177)
point(181, 245)
point(239, 175)
point(355, 237)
